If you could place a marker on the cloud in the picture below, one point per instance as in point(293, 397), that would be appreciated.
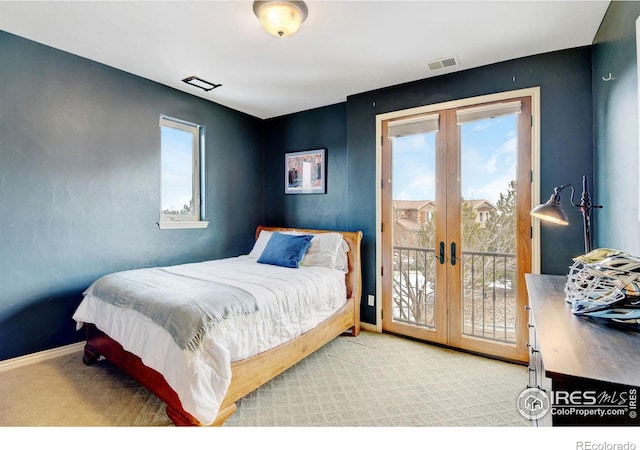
point(510, 146)
point(419, 187)
point(491, 164)
point(488, 163)
point(491, 189)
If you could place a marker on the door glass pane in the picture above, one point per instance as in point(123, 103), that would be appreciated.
point(413, 191)
point(488, 157)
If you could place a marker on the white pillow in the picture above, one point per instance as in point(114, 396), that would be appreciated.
point(342, 263)
point(260, 244)
point(324, 251)
point(263, 239)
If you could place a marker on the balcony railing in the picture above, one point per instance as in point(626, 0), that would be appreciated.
point(488, 291)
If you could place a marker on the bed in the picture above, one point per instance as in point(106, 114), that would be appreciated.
point(200, 376)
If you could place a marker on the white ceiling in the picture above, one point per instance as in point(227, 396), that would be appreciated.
point(343, 48)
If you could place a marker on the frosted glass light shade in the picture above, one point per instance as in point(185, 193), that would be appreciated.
point(280, 18)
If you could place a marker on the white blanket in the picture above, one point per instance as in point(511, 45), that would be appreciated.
point(290, 303)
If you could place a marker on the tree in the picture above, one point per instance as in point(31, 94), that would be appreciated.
point(185, 211)
point(491, 275)
point(487, 270)
point(501, 225)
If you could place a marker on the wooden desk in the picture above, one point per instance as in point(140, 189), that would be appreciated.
point(581, 363)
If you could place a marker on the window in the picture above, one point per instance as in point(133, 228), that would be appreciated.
point(181, 177)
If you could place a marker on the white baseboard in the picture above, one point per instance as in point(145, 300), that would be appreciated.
point(40, 356)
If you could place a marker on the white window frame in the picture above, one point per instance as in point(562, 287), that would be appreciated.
point(174, 221)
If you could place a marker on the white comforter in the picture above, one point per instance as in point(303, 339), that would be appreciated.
point(290, 302)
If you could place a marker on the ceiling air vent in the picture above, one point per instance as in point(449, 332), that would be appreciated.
point(443, 62)
point(200, 83)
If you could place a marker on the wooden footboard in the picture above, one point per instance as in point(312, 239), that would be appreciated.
point(247, 374)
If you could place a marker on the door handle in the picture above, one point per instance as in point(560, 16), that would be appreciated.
point(441, 257)
point(453, 253)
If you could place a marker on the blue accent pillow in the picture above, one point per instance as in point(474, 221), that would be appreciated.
point(285, 250)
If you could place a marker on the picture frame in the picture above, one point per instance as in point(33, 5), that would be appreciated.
point(305, 172)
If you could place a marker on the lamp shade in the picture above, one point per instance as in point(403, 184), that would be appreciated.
point(280, 18)
point(551, 211)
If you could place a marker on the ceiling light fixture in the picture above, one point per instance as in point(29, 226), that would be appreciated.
point(280, 18)
point(200, 83)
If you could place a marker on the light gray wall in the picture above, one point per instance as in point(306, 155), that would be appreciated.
point(616, 144)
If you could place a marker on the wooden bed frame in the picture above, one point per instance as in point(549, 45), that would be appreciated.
point(250, 373)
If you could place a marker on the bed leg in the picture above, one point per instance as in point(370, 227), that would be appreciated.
point(180, 418)
point(91, 355)
point(224, 414)
point(352, 331)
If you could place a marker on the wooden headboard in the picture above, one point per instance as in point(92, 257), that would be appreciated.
point(353, 278)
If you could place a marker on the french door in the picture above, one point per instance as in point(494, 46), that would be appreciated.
point(456, 232)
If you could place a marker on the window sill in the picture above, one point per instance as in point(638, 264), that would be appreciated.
point(182, 224)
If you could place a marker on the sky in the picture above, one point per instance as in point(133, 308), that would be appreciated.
point(488, 161)
point(177, 168)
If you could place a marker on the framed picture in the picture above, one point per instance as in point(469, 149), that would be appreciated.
point(305, 172)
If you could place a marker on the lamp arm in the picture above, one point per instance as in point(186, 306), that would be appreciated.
point(557, 190)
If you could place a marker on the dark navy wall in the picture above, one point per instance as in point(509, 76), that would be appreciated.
point(79, 185)
point(317, 128)
point(565, 148)
point(617, 170)
point(79, 165)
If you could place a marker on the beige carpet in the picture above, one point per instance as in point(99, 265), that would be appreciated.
point(373, 380)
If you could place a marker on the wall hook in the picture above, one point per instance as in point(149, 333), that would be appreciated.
point(609, 77)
